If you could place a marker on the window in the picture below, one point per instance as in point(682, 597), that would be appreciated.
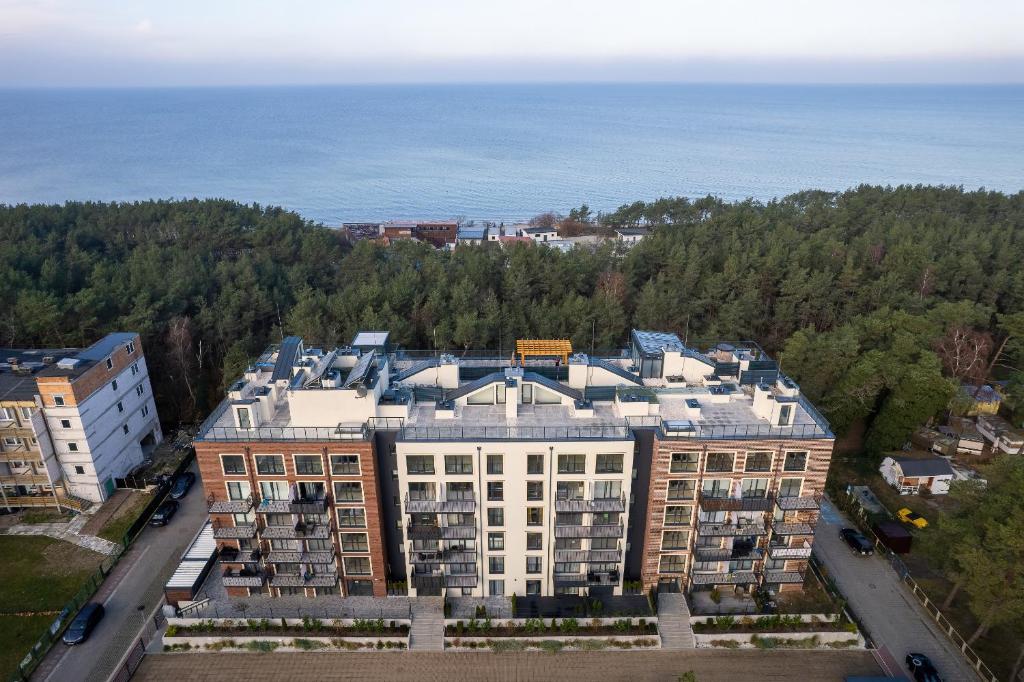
point(681, 490)
point(58, 400)
point(348, 491)
point(72, 447)
point(420, 464)
point(145, 410)
point(458, 464)
point(758, 461)
point(495, 516)
point(352, 518)
point(532, 587)
point(607, 490)
point(534, 516)
point(6, 414)
point(344, 465)
point(496, 588)
point(65, 423)
point(79, 469)
point(534, 541)
point(309, 465)
point(672, 564)
point(26, 412)
point(535, 490)
point(135, 369)
point(572, 464)
point(535, 464)
point(675, 539)
point(609, 464)
point(139, 390)
point(243, 419)
point(354, 542)
point(790, 487)
point(238, 490)
point(130, 347)
point(784, 414)
point(719, 461)
point(113, 384)
point(125, 429)
point(275, 490)
point(496, 541)
point(495, 491)
point(357, 565)
point(234, 465)
point(684, 462)
point(533, 564)
point(496, 565)
point(755, 487)
point(270, 465)
point(110, 363)
point(495, 465)
point(795, 461)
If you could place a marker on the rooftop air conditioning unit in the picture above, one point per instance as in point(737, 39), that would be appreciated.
point(48, 359)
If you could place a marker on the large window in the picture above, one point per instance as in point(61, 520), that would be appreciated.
point(675, 540)
point(604, 490)
point(309, 465)
point(495, 465)
point(795, 461)
point(534, 541)
point(234, 465)
point(535, 491)
point(496, 588)
point(672, 563)
point(495, 516)
point(533, 587)
point(351, 518)
point(533, 564)
point(238, 490)
point(348, 491)
point(496, 565)
point(758, 462)
point(458, 464)
point(681, 490)
point(790, 487)
point(270, 465)
point(495, 491)
point(419, 464)
point(572, 464)
point(345, 465)
point(354, 542)
point(534, 516)
point(496, 541)
point(719, 461)
point(357, 565)
point(535, 464)
point(755, 487)
point(609, 464)
point(684, 462)
point(274, 490)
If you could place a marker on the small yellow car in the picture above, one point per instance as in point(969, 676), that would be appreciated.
point(913, 518)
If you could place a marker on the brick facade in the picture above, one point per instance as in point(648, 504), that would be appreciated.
point(76, 389)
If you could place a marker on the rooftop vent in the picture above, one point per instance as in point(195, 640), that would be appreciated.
point(68, 363)
point(12, 361)
point(48, 359)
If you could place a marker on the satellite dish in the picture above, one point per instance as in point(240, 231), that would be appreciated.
point(361, 391)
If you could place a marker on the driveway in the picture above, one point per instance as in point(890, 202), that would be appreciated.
point(129, 594)
point(889, 611)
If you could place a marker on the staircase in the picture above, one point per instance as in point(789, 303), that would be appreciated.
point(674, 622)
point(427, 630)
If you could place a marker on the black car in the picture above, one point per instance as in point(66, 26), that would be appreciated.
point(163, 513)
point(922, 669)
point(857, 542)
point(83, 624)
point(182, 484)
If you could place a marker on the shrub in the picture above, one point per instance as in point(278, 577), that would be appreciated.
point(725, 643)
point(845, 644)
point(262, 645)
point(724, 622)
point(590, 644)
point(622, 625)
point(380, 644)
point(507, 645)
point(308, 644)
point(552, 646)
point(222, 644)
point(850, 626)
point(481, 611)
point(172, 630)
point(570, 625)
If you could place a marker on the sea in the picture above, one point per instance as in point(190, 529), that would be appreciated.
point(500, 152)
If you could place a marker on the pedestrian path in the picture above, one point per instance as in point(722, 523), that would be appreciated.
point(69, 532)
point(427, 630)
point(674, 622)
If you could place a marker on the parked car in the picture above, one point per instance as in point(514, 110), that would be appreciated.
point(907, 516)
point(857, 542)
point(922, 669)
point(83, 624)
point(164, 513)
point(182, 484)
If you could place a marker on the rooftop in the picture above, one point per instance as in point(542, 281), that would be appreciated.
point(19, 367)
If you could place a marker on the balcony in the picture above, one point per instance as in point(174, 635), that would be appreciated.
point(730, 530)
point(300, 531)
point(454, 502)
point(13, 430)
point(598, 531)
point(811, 502)
point(309, 505)
point(595, 578)
point(428, 532)
point(460, 581)
point(738, 504)
point(733, 578)
point(232, 555)
point(243, 578)
point(588, 556)
point(21, 453)
point(215, 506)
point(594, 506)
point(312, 557)
point(432, 582)
point(25, 479)
point(792, 528)
point(787, 552)
point(326, 579)
point(570, 580)
point(239, 532)
point(784, 577)
point(727, 553)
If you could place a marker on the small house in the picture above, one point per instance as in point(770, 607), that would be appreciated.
point(540, 234)
point(979, 400)
point(629, 236)
point(471, 236)
point(909, 475)
point(1001, 435)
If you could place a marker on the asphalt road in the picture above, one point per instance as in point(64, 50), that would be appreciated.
point(143, 571)
point(892, 615)
point(710, 665)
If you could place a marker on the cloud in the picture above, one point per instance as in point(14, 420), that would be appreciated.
point(144, 26)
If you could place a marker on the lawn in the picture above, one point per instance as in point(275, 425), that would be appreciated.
point(118, 524)
point(37, 574)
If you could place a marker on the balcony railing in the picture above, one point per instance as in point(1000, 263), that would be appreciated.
point(595, 506)
point(14, 430)
point(299, 531)
point(732, 578)
point(310, 557)
point(215, 506)
point(238, 532)
point(792, 528)
point(242, 578)
point(25, 479)
point(809, 502)
point(754, 504)
point(232, 555)
point(727, 553)
point(309, 505)
point(428, 532)
point(730, 530)
point(500, 433)
point(593, 531)
point(784, 577)
point(460, 580)
point(588, 556)
point(453, 502)
point(325, 579)
point(21, 454)
point(786, 552)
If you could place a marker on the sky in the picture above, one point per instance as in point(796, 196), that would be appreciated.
point(85, 43)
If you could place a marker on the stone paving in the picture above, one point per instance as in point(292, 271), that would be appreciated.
point(674, 622)
point(465, 607)
point(69, 532)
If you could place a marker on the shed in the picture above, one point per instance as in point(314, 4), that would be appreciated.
point(894, 536)
point(195, 565)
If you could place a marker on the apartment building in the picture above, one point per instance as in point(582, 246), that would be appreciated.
point(73, 420)
point(338, 471)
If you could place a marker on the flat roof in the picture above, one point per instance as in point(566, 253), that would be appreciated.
point(656, 342)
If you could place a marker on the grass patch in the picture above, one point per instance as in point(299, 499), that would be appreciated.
point(17, 635)
point(32, 516)
point(115, 528)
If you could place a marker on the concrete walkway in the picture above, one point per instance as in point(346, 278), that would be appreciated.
point(674, 622)
point(69, 532)
point(891, 614)
point(427, 631)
